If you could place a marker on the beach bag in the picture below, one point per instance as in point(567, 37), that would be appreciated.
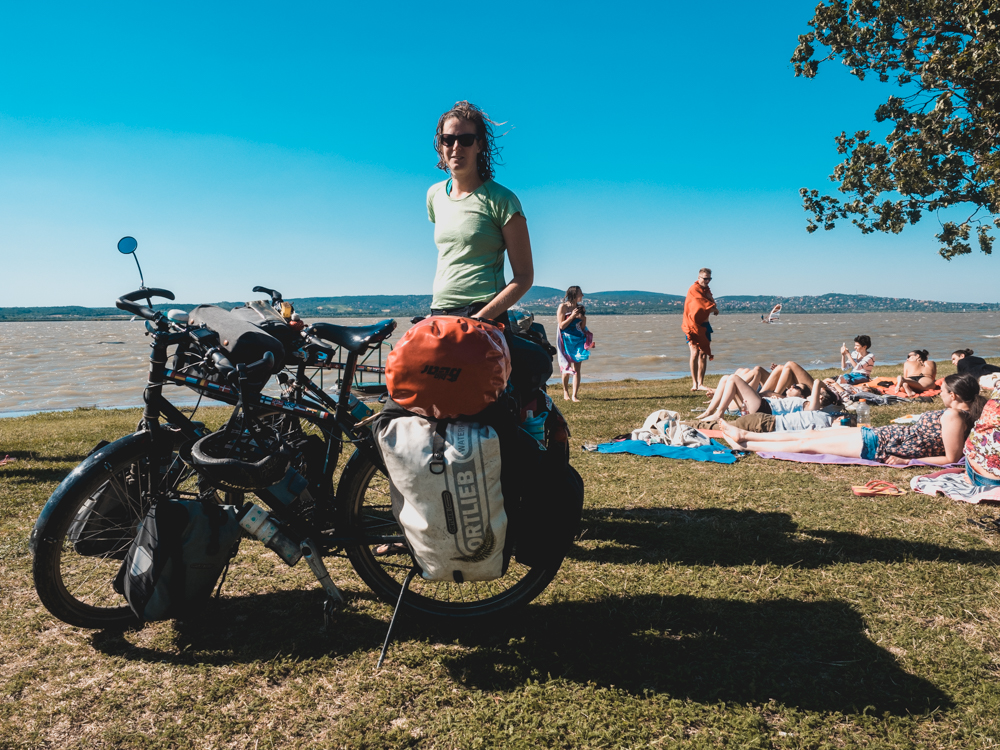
point(445, 485)
point(447, 366)
point(179, 553)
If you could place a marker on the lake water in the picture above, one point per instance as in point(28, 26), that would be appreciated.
point(64, 365)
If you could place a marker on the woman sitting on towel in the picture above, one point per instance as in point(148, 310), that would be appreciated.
point(860, 361)
point(919, 374)
point(937, 437)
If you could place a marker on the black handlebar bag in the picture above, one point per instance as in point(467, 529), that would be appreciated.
point(243, 342)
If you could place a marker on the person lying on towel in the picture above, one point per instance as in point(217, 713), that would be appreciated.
point(764, 402)
point(812, 416)
point(938, 437)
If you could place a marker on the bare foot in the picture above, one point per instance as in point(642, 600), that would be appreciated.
point(703, 387)
point(576, 400)
point(565, 396)
point(732, 431)
point(733, 444)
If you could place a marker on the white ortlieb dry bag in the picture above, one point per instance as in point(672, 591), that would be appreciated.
point(445, 484)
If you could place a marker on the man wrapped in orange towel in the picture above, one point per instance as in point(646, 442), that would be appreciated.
point(698, 306)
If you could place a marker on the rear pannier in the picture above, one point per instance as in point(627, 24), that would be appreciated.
point(446, 495)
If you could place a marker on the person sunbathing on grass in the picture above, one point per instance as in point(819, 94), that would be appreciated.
point(919, 373)
point(770, 383)
point(812, 416)
point(794, 399)
point(937, 437)
point(756, 376)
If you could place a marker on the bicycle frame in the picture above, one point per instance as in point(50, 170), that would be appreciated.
point(336, 422)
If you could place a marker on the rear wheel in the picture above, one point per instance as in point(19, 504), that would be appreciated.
point(81, 544)
point(365, 492)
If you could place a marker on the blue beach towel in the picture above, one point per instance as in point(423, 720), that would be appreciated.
point(714, 453)
point(575, 343)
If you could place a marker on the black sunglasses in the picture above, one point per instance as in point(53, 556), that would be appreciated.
point(464, 139)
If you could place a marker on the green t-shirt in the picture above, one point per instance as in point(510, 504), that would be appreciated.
point(468, 233)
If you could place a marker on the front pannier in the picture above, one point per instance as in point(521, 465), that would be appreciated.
point(446, 495)
point(179, 552)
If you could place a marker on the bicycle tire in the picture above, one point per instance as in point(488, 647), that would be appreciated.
point(364, 492)
point(77, 588)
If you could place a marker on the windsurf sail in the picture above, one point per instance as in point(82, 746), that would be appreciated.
point(775, 313)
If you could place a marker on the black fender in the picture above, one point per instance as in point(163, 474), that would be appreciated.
point(92, 464)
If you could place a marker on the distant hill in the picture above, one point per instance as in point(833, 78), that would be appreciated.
point(542, 300)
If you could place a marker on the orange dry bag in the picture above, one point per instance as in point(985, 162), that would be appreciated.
point(446, 366)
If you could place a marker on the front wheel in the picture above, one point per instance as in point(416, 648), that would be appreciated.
point(88, 525)
point(368, 508)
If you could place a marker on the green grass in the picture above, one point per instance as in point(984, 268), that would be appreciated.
point(758, 605)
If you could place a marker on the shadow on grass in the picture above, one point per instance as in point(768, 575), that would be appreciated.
point(256, 628)
point(17, 469)
point(717, 536)
point(813, 655)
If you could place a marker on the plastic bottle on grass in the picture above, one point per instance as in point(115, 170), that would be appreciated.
point(864, 413)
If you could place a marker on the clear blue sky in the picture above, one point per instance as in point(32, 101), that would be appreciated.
point(290, 145)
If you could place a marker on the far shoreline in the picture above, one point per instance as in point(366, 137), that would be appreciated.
point(537, 312)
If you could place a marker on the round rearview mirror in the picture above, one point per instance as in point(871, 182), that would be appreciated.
point(127, 245)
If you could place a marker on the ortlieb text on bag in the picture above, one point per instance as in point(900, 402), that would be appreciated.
point(446, 495)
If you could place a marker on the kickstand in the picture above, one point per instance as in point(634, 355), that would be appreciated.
point(395, 613)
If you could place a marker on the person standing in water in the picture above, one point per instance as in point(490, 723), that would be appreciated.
point(699, 304)
point(475, 221)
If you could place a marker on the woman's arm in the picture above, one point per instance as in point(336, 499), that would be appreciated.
point(515, 235)
point(813, 403)
point(563, 319)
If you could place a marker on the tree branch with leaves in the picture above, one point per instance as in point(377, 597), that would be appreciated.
point(943, 151)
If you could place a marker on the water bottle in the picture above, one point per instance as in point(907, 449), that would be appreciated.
point(259, 523)
point(864, 413)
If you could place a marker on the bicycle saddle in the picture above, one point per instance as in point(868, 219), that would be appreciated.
point(353, 338)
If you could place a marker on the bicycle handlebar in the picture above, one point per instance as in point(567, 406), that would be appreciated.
point(275, 294)
point(127, 302)
point(232, 373)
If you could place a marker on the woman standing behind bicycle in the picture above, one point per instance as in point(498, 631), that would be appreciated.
point(475, 221)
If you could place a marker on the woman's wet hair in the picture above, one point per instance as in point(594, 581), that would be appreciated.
point(864, 339)
point(922, 353)
point(573, 293)
point(965, 388)
point(488, 150)
point(962, 352)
